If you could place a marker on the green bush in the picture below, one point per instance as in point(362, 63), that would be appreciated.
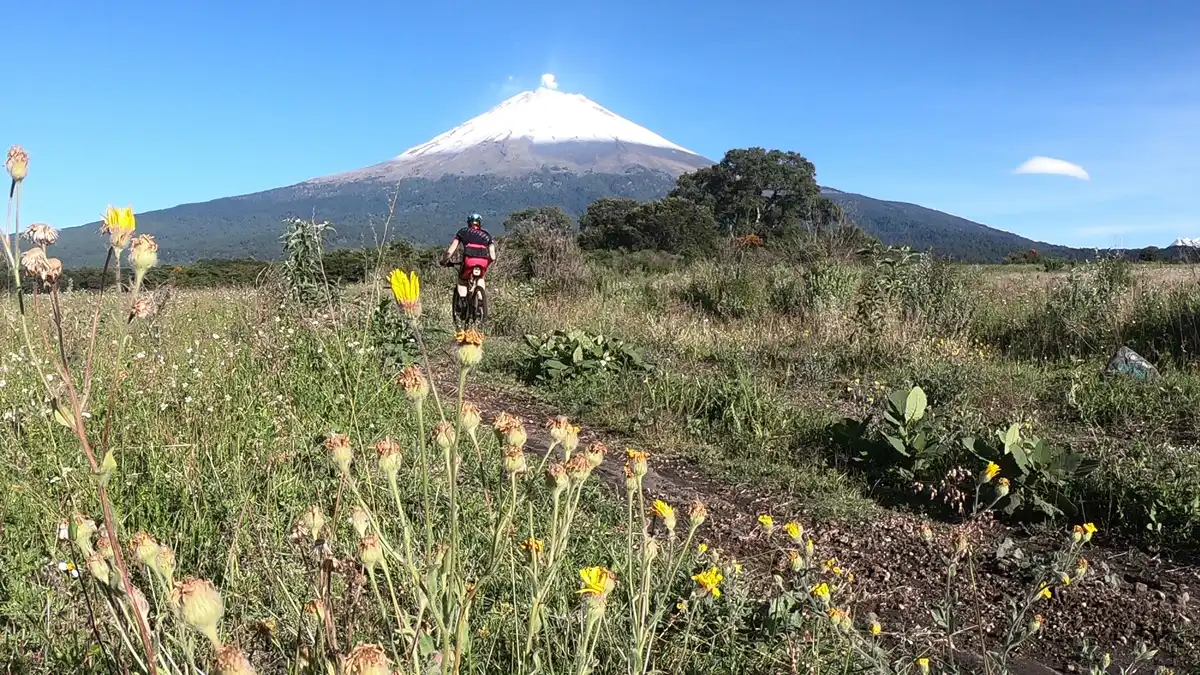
point(563, 355)
point(727, 292)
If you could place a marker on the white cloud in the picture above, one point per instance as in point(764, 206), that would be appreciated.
point(549, 82)
point(1049, 165)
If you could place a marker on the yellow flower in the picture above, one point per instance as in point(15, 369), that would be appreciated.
point(838, 617)
point(992, 470)
point(876, 629)
point(1088, 530)
point(709, 581)
point(118, 225)
point(831, 565)
point(821, 591)
point(795, 531)
point(406, 288)
point(702, 549)
point(598, 582)
point(666, 513)
point(533, 548)
point(923, 664)
point(1044, 591)
point(766, 521)
point(1065, 579)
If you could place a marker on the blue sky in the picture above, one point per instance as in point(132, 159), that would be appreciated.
point(937, 103)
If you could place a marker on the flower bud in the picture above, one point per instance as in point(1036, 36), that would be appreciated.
point(444, 435)
point(1081, 568)
point(104, 546)
point(650, 550)
point(469, 417)
point(595, 454)
point(367, 659)
point(636, 460)
point(370, 551)
point(794, 531)
point(809, 548)
point(514, 461)
point(509, 430)
point(338, 446)
point(795, 561)
point(98, 567)
point(470, 347)
point(697, 514)
point(414, 384)
point(144, 548)
point(199, 605)
point(17, 163)
point(631, 481)
point(1002, 488)
point(558, 426)
point(232, 661)
point(556, 478)
point(143, 254)
point(81, 529)
point(360, 520)
point(571, 441)
point(578, 469)
point(313, 520)
point(1036, 624)
point(164, 562)
point(389, 457)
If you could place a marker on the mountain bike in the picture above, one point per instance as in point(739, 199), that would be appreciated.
point(472, 310)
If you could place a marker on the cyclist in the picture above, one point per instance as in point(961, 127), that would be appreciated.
point(479, 250)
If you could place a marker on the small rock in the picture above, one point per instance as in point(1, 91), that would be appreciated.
point(1140, 589)
point(1130, 363)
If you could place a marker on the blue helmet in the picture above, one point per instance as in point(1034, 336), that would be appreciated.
point(475, 219)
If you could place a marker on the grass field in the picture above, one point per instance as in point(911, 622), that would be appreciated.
point(799, 530)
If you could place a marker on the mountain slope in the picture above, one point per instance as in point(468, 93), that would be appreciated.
point(901, 223)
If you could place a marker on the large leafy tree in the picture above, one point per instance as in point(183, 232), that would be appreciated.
point(763, 192)
point(604, 225)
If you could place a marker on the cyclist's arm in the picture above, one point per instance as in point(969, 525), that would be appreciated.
point(453, 247)
point(492, 250)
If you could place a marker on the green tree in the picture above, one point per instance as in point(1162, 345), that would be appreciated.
point(763, 192)
point(604, 225)
point(673, 225)
point(538, 222)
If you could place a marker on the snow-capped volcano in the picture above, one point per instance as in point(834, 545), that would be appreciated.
point(542, 129)
point(1186, 242)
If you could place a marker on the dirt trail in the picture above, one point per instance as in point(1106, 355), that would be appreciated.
point(1128, 596)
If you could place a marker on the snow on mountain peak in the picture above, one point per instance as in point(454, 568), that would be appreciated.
point(545, 115)
point(1186, 242)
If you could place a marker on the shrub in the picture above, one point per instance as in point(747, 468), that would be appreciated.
point(563, 355)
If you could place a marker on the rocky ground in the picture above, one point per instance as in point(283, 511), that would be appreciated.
point(1128, 597)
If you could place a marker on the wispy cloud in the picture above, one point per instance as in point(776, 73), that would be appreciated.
point(1049, 165)
point(549, 82)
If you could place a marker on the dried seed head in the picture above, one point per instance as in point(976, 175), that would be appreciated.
point(444, 435)
point(360, 520)
point(631, 481)
point(370, 552)
point(469, 417)
point(651, 550)
point(367, 659)
point(414, 384)
point(636, 460)
point(143, 308)
point(17, 163)
point(34, 263)
point(200, 605)
point(54, 272)
point(1002, 488)
point(143, 253)
point(390, 457)
point(232, 661)
point(338, 446)
point(41, 234)
point(571, 441)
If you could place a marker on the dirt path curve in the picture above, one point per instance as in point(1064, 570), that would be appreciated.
point(1128, 596)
